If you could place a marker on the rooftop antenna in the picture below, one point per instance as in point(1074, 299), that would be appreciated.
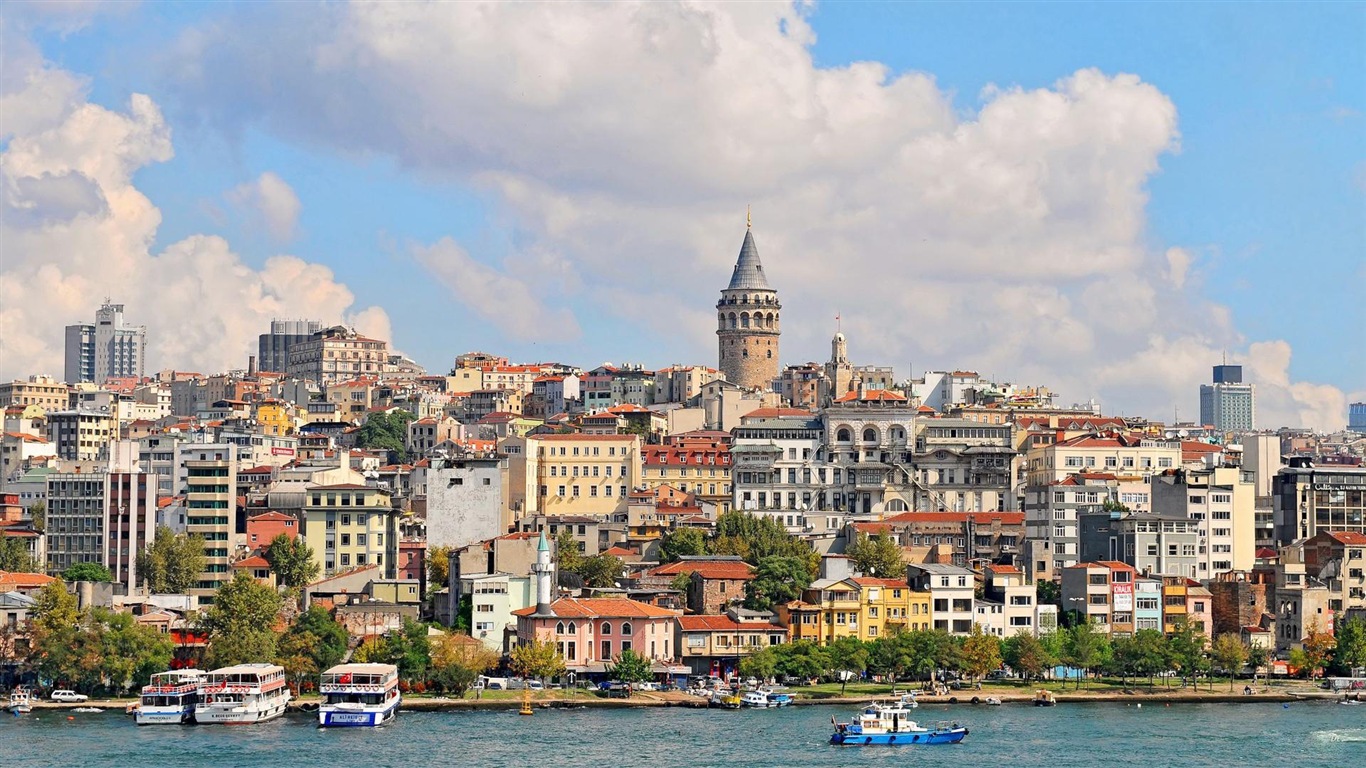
point(748, 221)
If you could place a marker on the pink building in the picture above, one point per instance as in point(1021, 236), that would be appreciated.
point(1199, 608)
point(590, 632)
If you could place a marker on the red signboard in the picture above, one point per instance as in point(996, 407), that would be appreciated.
point(281, 451)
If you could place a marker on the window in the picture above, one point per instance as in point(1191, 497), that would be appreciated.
point(626, 632)
point(606, 649)
point(606, 628)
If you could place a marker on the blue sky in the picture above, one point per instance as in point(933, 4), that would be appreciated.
point(1268, 189)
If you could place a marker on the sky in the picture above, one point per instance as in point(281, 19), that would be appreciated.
point(1104, 199)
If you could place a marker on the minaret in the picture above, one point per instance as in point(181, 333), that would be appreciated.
point(544, 572)
point(748, 324)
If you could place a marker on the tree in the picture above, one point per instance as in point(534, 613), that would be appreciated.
point(1350, 651)
point(601, 570)
point(1083, 647)
point(760, 663)
point(755, 537)
point(537, 659)
point(241, 622)
point(682, 542)
point(1257, 658)
point(37, 515)
point(802, 659)
point(630, 667)
point(1318, 648)
point(848, 657)
point(776, 581)
point(878, 555)
point(87, 572)
point(682, 582)
point(458, 661)
point(171, 564)
point(387, 431)
point(1187, 650)
point(1027, 656)
point(568, 559)
point(14, 556)
point(981, 653)
point(1048, 593)
point(314, 643)
point(1151, 654)
point(291, 560)
point(438, 566)
point(1229, 654)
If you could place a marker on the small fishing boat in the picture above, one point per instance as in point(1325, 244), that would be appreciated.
point(1350, 703)
point(890, 724)
point(88, 710)
point(756, 700)
point(725, 700)
point(1043, 698)
point(777, 699)
point(993, 701)
point(20, 700)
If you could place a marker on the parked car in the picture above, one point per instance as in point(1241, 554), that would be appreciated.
point(68, 697)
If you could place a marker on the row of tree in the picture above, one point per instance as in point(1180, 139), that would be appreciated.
point(918, 655)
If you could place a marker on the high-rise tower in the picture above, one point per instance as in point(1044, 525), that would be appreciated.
point(748, 322)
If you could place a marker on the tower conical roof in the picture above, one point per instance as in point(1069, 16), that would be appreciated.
point(749, 273)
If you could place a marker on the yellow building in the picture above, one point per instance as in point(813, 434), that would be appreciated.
point(45, 392)
point(862, 607)
point(577, 474)
point(348, 526)
point(273, 418)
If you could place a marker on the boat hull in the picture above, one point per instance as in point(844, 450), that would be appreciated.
point(164, 716)
point(349, 718)
point(239, 715)
point(952, 736)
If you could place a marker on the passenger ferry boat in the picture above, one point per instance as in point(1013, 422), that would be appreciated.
point(891, 724)
point(359, 695)
point(20, 700)
point(246, 693)
point(170, 698)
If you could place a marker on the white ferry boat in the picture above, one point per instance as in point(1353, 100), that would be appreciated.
point(358, 695)
point(244, 694)
point(170, 698)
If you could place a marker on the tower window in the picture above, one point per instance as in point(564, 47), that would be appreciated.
point(770, 354)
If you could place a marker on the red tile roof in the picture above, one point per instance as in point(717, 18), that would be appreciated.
point(709, 569)
point(1350, 538)
point(777, 413)
point(10, 581)
point(255, 561)
point(723, 624)
point(577, 436)
point(602, 608)
point(872, 395)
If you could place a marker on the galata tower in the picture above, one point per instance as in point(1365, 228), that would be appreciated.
point(748, 324)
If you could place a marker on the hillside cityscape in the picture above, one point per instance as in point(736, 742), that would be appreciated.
point(735, 517)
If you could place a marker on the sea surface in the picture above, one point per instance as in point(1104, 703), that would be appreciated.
point(1110, 734)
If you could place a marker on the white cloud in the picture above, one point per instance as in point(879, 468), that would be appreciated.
point(496, 296)
point(76, 230)
point(271, 202)
point(626, 138)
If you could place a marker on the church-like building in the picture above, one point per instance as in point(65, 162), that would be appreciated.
point(748, 323)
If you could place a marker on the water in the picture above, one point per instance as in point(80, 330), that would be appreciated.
point(1305, 734)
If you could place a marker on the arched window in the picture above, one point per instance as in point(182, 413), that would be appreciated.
point(844, 435)
point(744, 319)
point(770, 354)
point(606, 628)
point(733, 321)
point(744, 352)
point(898, 435)
point(896, 505)
point(769, 320)
point(573, 628)
point(870, 435)
point(559, 627)
point(626, 628)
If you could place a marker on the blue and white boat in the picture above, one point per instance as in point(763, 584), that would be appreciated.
point(169, 698)
point(891, 724)
point(359, 695)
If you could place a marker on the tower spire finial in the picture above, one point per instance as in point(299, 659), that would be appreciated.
point(748, 222)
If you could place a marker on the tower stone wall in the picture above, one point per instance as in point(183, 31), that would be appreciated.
point(749, 322)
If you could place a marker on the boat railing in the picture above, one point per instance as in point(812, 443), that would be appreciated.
point(352, 688)
point(169, 689)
